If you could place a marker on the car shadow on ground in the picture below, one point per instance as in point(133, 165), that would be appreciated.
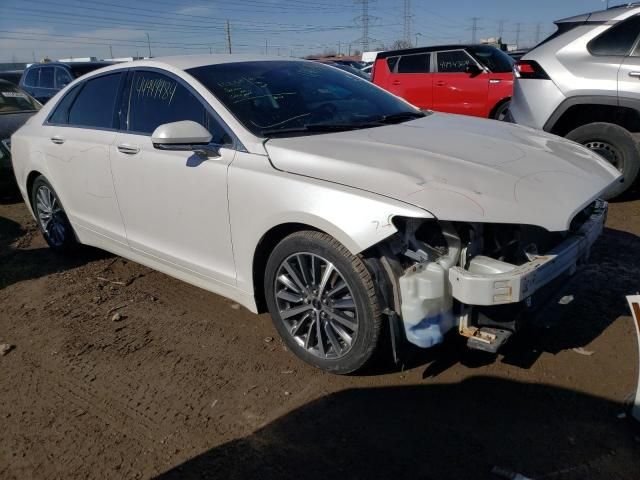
point(18, 264)
point(438, 431)
point(593, 299)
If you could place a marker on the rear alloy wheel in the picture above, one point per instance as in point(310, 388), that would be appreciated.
point(323, 302)
point(617, 146)
point(50, 215)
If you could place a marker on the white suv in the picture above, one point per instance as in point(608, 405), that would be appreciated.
point(583, 83)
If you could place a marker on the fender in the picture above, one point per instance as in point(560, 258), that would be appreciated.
point(270, 198)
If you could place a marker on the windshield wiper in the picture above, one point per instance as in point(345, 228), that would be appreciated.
point(318, 128)
point(397, 117)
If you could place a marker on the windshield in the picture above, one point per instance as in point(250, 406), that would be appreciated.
point(494, 59)
point(13, 100)
point(277, 97)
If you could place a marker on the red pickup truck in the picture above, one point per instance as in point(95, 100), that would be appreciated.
point(467, 79)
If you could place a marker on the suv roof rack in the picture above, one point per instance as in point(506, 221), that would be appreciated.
point(624, 5)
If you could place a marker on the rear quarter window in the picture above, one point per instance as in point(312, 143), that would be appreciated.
point(618, 40)
point(31, 78)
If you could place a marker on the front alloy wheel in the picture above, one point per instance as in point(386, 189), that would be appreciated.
point(323, 302)
point(316, 305)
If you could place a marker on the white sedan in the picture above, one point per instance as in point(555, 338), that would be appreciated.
point(295, 188)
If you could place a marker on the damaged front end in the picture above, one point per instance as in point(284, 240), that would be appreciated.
point(476, 277)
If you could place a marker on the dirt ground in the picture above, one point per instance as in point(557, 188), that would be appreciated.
point(187, 384)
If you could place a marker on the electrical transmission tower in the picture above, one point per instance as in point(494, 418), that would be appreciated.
point(363, 20)
point(538, 31)
point(407, 21)
point(518, 25)
point(474, 29)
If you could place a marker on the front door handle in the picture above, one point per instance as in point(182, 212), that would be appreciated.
point(57, 139)
point(634, 74)
point(440, 84)
point(395, 82)
point(128, 149)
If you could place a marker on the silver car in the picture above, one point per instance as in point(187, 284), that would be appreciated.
point(583, 83)
point(296, 188)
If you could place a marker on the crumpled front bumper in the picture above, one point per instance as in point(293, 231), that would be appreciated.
point(522, 281)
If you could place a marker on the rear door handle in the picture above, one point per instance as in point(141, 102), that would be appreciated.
point(57, 139)
point(440, 84)
point(634, 74)
point(395, 82)
point(128, 149)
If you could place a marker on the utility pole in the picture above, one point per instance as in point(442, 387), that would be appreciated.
point(266, 46)
point(518, 25)
point(538, 27)
point(418, 34)
point(500, 28)
point(407, 21)
point(210, 50)
point(33, 54)
point(474, 29)
point(110, 52)
point(339, 51)
point(149, 44)
point(228, 36)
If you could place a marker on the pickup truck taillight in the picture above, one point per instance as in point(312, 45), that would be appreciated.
point(529, 69)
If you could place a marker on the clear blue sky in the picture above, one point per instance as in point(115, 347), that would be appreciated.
point(63, 28)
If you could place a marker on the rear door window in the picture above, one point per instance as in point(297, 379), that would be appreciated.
point(454, 61)
point(419, 63)
point(46, 77)
point(618, 40)
point(62, 78)
point(95, 104)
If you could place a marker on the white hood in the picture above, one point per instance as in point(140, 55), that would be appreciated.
point(458, 168)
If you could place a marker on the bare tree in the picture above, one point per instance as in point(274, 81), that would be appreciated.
point(400, 45)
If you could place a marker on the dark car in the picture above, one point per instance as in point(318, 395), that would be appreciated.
point(12, 76)
point(16, 106)
point(44, 80)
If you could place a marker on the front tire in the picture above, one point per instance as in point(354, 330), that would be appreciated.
point(616, 145)
point(51, 217)
point(323, 302)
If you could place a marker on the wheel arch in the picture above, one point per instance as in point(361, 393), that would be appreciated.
point(498, 104)
point(579, 111)
point(31, 178)
point(263, 249)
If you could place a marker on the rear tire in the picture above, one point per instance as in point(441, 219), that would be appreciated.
point(330, 320)
point(51, 217)
point(616, 145)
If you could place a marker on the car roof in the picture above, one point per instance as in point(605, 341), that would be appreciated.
point(185, 62)
point(432, 48)
point(618, 12)
point(73, 65)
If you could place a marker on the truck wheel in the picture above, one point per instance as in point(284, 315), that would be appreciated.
point(323, 302)
point(616, 145)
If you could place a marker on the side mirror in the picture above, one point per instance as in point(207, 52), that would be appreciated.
point(184, 136)
point(473, 70)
